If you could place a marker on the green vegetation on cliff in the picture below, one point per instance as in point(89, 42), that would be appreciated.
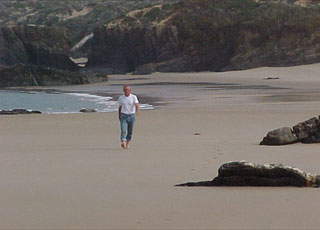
point(244, 26)
point(79, 16)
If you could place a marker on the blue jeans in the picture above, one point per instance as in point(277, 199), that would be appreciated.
point(126, 125)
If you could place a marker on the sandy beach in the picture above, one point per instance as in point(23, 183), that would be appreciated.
point(67, 171)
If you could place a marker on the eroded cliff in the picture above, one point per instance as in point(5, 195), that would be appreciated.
point(36, 45)
point(37, 55)
point(209, 35)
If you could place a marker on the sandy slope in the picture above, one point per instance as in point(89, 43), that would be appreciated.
point(68, 171)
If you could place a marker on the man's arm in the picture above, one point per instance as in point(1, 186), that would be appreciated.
point(119, 111)
point(137, 108)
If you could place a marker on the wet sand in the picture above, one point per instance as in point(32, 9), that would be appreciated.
point(69, 172)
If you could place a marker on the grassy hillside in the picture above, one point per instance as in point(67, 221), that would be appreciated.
point(79, 16)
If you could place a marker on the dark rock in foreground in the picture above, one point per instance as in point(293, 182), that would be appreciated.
point(305, 132)
point(18, 111)
point(242, 173)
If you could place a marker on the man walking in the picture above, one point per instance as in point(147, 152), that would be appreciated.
point(128, 108)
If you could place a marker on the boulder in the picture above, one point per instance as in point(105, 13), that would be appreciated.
point(282, 136)
point(307, 128)
point(305, 132)
point(243, 173)
point(312, 139)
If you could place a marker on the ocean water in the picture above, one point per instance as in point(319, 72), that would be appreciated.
point(52, 102)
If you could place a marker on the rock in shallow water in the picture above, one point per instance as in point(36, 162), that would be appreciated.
point(18, 111)
point(88, 110)
point(243, 173)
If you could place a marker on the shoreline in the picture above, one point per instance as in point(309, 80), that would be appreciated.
point(94, 98)
point(165, 90)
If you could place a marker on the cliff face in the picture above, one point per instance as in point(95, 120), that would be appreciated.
point(30, 75)
point(34, 56)
point(209, 35)
point(124, 50)
point(11, 48)
point(43, 46)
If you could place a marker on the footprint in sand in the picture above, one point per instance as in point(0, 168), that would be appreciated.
point(218, 149)
point(204, 166)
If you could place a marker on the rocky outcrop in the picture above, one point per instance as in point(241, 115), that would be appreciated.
point(242, 173)
point(305, 132)
point(209, 35)
point(18, 111)
point(145, 69)
point(125, 50)
point(35, 45)
point(39, 56)
point(30, 75)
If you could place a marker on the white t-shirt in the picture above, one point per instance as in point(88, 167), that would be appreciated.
point(128, 103)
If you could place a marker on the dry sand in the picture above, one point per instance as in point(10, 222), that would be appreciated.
point(69, 172)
